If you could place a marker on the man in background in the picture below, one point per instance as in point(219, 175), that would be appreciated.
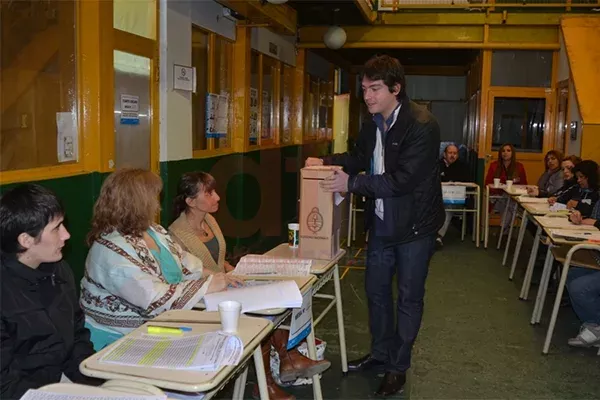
point(451, 170)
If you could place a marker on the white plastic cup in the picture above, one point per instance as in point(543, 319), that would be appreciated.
point(293, 235)
point(230, 315)
point(509, 184)
point(496, 182)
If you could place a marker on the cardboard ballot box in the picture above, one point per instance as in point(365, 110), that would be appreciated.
point(320, 215)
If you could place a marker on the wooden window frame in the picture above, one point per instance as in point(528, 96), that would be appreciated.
point(211, 150)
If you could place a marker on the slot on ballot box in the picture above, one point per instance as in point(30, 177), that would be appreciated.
point(320, 215)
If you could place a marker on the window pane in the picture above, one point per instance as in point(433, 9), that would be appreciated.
point(285, 111)
point(254, 111)
point(520, 122)
point(223, 76)
point(268, 98)
point(39, 84)
point(137, 17)
point(200, 61)
point(522, 68)
point(312, 108)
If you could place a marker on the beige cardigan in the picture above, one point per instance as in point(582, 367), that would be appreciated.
point(184, 235)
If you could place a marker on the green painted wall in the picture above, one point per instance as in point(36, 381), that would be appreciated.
point(259, 192)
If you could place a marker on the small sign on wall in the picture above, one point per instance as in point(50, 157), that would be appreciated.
point(184, 78)
point(130, 107)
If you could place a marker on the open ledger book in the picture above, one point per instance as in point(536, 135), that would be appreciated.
point(260, 264)
point(255, 296)
point(36, 394)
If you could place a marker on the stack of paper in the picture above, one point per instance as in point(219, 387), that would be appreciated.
point(527, 199)
point(36, 394)
point(561, 221)
point(576, 234)
point(207, 352)
point(280, 294)
point(254, 264)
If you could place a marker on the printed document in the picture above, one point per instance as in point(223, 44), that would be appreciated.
point(254, 264)
point(35, 394)
point(207, 352)
point(280, 294)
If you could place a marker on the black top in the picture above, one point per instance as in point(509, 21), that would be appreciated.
point(410, 187)
point(455, 172)
point(42, 331)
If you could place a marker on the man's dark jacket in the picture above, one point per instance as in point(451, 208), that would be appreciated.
point(410, 187)
point(42, 332)
point(455, 172)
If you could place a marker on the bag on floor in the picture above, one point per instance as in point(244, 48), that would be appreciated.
point(303, 349)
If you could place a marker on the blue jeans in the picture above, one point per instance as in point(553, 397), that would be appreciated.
point(584, 290)
point(392, 342)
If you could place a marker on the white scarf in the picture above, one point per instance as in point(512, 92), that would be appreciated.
point(379, 160)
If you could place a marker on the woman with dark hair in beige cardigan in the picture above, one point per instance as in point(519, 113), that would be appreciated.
point(198, 233)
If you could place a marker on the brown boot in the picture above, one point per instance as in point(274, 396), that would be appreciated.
point(292, 364)
point(275, 392)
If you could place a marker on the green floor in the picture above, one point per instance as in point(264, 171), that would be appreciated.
point(475, 342)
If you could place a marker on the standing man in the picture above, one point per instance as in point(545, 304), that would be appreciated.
point(42, 331)
point(399, 150)
point(451, 170)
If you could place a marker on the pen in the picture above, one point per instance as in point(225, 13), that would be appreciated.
point(161, 330)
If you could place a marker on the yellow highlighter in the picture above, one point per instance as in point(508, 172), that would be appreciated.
point(166, 330)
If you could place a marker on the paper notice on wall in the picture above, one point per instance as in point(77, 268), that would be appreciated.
point(253, 116)
point(67, 144)
point(217, 112)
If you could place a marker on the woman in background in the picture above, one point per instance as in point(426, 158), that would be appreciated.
point(583, 198)
point(198, 232)
point(552, 178)
point(506, 168)
point(134, 271)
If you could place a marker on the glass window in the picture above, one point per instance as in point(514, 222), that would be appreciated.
point(254, 98)
point(137, 17)
point(524, 68)
point(285, 110)
point(311, 106)
point(269, 94)
point(519, 121)
point(223, 75)
point(200, 62)
point(39, 84)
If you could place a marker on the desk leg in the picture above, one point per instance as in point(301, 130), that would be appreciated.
point(486, 219)
point(556, 308)
point(240, 385)
point(349, 241)
point(340, 318)
point(478, 217)
point(312, 353)
point(541, 294)
point(530, 265)
point(522, 230)
point(504, 216)
point(260, 373)
point(509, 238)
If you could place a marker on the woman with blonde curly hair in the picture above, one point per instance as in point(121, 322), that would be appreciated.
point(134, 271)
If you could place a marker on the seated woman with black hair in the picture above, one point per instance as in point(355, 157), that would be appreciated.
point(585, 196)
point(197, 231)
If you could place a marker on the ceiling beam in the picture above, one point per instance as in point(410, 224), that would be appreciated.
point(473, 18)
point(281, 18)
point(438, 36)
point(366, 9)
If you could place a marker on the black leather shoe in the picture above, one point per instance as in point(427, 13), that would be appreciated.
point(366, 363)
point(392, 383)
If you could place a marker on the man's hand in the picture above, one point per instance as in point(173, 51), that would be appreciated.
point(313, 162)
point(338, 182)
point(552, 200)
point(576, 217)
